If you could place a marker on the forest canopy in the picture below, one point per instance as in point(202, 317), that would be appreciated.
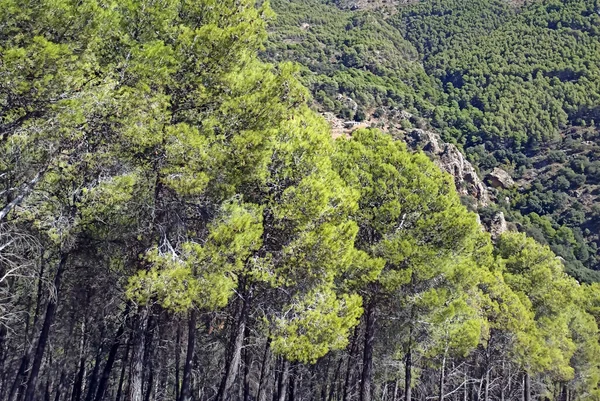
point(177, 223)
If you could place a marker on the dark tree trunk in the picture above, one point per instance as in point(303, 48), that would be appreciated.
point(408, 375)
point(283, 381)
point(442, 378)
point(137, 357)
point(263, 370)
point(526, 387)
point(292, 386)
point(45, 333)
point(247, 363)
point(234, 350)
point(177, 357)
point(59, 387)
point(367, 368)
point(112, 356)
point(186, 392)
point(76, 394)
point(123, 368)
point(93, 381)
point(19, 382)
point(350, 365)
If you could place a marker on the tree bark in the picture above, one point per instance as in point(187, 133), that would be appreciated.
point(263, 370)
point(350, 365)
point(283, 381)
point(177, 359)
point(93, 381)
point(442, 378)
point(123, 368)
point(112, 356)
point(45, 333)
point(137, 357)
point(408, 375)
point(235, 349)
point(186, 392)
point(526, 387)
point(247, 363)
point(367, 368)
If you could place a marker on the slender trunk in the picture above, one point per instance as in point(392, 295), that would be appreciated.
point(186, 392)
point(367, 368)
point(263, 370)
point(335, 380)
point(325, 380)
point(526, 387)
point(93, 381)
point(19, 382)
point(283, 381)
point(442, 378)
point(350, 365)
point(45, 333)
point(408, 375)
point(123, 368)
point(235, 349)
point(177, 361)
point(292, 386)
point(112, 356)
point(247, 363)
point(486, 388)
point(149, 357)
point(59, 387)
point(466, 389)
point(76, 394)
point(137, 357)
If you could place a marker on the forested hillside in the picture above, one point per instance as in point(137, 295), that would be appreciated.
point(515, 86)
point(178, 223)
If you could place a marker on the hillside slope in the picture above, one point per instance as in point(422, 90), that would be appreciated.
point(515, 88)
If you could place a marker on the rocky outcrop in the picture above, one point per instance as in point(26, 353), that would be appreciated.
point(348, 102)
point(497, 225)
point(451, 160)
point(499, 178)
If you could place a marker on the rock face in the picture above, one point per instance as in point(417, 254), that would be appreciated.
point(497, 225)
point(499, 178)
point(451, 160)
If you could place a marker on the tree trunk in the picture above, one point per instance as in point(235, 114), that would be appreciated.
point(45, 333)
point(123, 368)
point(77, 385)
point(247, 363)
point(263, 370)
point(283, 381)
point(186, 392)
point(235, 349)
point(112, 356)
point(137, 357)
point(526, 387)
point(486, 388)
point(177, 357)
point(350, 365)
point(292, 386)
point(408, 375)
point(442, 378)
point(93, 381)
point(367, 368)
point(59, 387)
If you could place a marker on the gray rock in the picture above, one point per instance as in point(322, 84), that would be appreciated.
point(497, 226)
point(451, 160)
point(499, 178)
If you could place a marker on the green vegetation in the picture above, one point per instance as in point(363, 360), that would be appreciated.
point(511, 86)
point(176, 223)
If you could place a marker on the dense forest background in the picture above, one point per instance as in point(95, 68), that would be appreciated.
point(515, 86)
point(177, 221)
